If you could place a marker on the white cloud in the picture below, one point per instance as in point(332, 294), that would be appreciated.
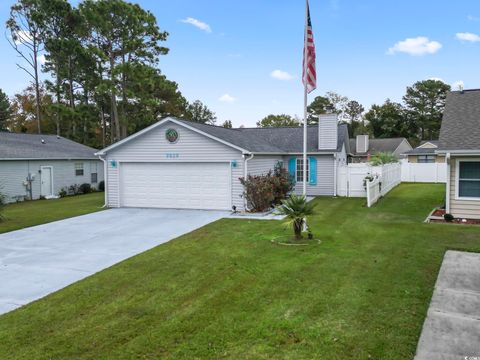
point(458, 85)
point(418, 46)
point(466, 36)
point(281, 75)
point(227, 98)
point(198, 24)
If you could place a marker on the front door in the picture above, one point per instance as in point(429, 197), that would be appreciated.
point(46, 181)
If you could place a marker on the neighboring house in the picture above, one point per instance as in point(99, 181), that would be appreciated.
point(181, 164)
point(425, 153)
point(362, 148)
point(32, 166)
point(460, 143)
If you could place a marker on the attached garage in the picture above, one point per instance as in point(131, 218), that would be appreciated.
point(176, 185)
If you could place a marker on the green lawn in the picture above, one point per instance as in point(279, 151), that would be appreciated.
point(30, 213)
point(225, 291)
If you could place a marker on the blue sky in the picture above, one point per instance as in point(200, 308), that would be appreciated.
point(224, 52)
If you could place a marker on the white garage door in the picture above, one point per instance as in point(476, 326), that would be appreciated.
point(176, 185)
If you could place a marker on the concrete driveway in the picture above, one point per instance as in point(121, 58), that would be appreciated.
point(37, 261)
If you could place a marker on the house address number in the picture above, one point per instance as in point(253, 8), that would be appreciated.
point(172, 155)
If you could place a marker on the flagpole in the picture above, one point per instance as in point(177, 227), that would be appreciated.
point(305, 98)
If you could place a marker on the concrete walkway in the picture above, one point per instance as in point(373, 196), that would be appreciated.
point(37, 261)
point(452, 328)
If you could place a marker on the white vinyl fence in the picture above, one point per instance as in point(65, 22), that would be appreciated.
point(424, 172)
point(350, 180)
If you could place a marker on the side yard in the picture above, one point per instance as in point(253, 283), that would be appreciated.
point(226, 291)
point(30, 213)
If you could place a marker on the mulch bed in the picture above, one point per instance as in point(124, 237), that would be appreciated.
point(458, 221)
point(439, 212)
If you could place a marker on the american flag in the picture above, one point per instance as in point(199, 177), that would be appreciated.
point(309, 75)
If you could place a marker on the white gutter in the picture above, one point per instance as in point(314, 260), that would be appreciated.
point(335, 174)
point(245, 169)
point(105, 176)
point(447, 190)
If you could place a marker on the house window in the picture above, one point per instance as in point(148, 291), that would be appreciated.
point(300, 169)
point(78, 169)
point(426, 159)
point(93, 173)
point(469, 179)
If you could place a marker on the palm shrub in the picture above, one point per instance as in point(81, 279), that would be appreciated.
point(383, 158)
point(296, 208)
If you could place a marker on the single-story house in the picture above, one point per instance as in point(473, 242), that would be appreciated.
point(34, 166)
point(362, 147)
point(460, 144)
point(425, 153)
point(182, 164)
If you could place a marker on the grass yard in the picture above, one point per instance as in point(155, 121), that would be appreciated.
point(224, 291)
point(30, 213)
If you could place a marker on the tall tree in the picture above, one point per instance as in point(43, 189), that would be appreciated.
point(23, 111)
point(121, 34)
point(27, 33)
point(388, 120)
point(5, 111)
point(353, 112)
point(425, 102)
point(227, 124)
point(278, 121)
point(337, 101)
point(320, 105)
point(200, 113)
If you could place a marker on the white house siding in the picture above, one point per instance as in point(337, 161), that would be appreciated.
point(261, 164)
point(190, 147)
point(325, 176)
point(13, 173)
point(469, 209)
point(402, 148)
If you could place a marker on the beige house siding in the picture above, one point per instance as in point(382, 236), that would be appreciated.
point(440, 159)
point(412, 159)
point(469, 209)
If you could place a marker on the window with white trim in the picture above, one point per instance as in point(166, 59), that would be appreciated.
point(469, 179)
point(299, 174)
point(426, 159)
point(78, 169)
point(93, 173)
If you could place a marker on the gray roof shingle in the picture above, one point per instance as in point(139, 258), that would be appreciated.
point(272, 139)
point(30, 146)
point(461, 121)
point(377, 145)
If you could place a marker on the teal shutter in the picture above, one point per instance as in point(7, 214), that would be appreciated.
point(313, 171)
point(292, 168)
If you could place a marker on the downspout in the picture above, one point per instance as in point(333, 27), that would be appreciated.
point(335, 175)
point(447, 190)
point(245, 169)
point(105, 176)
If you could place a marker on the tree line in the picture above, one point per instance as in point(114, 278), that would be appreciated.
point(102, 58)
point(418, 118)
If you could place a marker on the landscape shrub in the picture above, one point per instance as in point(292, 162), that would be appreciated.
point(383, 158)
point(264, 191)
point(85, 188)
point(63, 192)
point(74, 189)
point(101, 186)
point(448, 217)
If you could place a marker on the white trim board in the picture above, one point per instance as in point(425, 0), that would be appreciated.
point(457, 179)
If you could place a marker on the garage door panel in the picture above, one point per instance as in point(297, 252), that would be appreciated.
point(176, 185)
